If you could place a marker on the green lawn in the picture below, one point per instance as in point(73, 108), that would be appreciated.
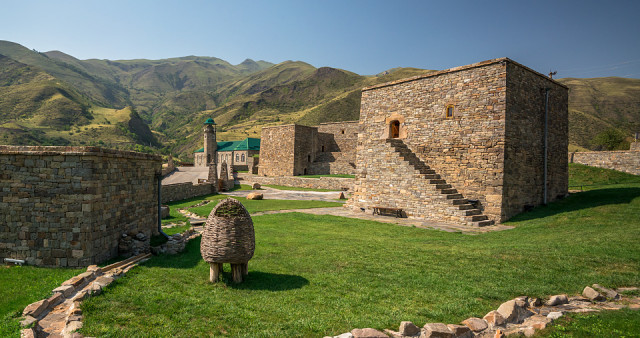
point(324, 275)
point(254, 206)
point(318, 275)
point(588, 178)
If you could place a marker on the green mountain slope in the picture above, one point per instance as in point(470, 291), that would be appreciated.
point(598, 104)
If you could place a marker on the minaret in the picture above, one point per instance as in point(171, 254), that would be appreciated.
point(210, 143)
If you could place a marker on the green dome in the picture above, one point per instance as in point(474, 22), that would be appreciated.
point(209, 121)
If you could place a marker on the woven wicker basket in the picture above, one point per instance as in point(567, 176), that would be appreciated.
point(228, 235)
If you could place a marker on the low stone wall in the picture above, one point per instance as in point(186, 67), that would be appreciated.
point(331, 183)
point(626, 161)
point(70, 206)
point(181, 191)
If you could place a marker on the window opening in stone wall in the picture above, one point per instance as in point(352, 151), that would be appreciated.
point(323, 149)
point(395, 129)
point(237, 157)
point(308, 158)
point(342, 131)
point(242, 158)
point(305, 171)
point(449, 111)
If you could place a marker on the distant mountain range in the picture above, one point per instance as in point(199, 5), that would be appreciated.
point(53, 98)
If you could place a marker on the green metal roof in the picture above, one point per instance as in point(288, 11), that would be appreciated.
point(209, 121)
point(246, 144)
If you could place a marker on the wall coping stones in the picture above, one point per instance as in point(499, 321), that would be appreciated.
point(457, 69)
point(75, 151)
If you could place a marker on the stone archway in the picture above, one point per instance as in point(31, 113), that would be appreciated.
point(395, 127)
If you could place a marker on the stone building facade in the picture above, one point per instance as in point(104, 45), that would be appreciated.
point(70, 206)
point(291, 150)
point(463, 145)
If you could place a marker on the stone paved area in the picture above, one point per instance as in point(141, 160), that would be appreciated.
point(276, 194)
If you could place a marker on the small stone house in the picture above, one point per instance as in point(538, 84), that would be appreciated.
point(475, 144)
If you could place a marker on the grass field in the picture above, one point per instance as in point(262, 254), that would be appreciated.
point(323, 275)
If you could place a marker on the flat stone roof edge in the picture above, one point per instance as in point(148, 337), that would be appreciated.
point(74, 151)
point(457, 69)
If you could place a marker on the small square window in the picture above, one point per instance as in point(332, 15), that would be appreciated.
point(449, 111)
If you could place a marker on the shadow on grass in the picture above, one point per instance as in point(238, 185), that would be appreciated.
point(582, 200)
point(258, 280)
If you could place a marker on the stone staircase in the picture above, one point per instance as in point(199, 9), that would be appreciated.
point(460, 208)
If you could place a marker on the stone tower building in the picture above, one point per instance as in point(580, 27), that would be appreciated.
point(474, 144)
point(210, 143)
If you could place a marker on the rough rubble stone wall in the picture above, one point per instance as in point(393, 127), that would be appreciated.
point(277, 151)
point(524, 144)
point(331, 183)
point(626, 161)
point(304, 149)
point(252, 165)
point(634, 146)
point(69, 206)
point(466, 150)
point(181, 191)
point(336, 149)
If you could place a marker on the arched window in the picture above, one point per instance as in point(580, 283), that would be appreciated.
point(308, 158)
point(242, 158)
point(395, 129)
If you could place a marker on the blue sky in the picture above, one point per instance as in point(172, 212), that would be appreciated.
point(576, 38)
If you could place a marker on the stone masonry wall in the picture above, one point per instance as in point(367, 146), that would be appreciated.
point(69, 206)
point(277, 151)
point(181, 191)
point(336, 149)
point(467, 150)
point(330, 183)
point(634, 146)
point(627, 160)
point(304, 150)
point(524, 142)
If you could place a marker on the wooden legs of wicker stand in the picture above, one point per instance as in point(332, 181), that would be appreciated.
point(237, 270)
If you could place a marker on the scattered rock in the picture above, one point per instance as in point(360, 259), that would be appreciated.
point(28, 333)
point(593, 294)
point(95, 289)
point(256, 186)
point(394, 334)
point(557, 300)
point(141, 236)
point(28, 320)
point(499, 334)
point(534, 302)
point(538, 322)
point(103, 281)
point(554, 315)
point(436, 330)
point(475, 324)
point(255, 196)
point(368, 333)
point(609, 293)
point(514, 311)
point(460, 331)
point(408, 329)
point(55, 299)
point(35, 309)
point(73, 326)
point(494, 318)
point(164, 211)
point(95, 269)
point(65, 290)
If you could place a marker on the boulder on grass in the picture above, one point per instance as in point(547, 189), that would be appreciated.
point(256, 186)
point(592, 294)
point(255, 196)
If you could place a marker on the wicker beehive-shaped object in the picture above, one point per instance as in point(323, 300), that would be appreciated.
point(228, 237)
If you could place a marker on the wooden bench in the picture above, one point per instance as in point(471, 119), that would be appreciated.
point(387, 211)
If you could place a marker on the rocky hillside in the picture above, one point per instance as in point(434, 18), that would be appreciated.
point(54, 98)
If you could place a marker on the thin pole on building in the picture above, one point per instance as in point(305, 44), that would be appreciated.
point(546, 141)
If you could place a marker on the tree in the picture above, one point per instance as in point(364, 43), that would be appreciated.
point(610, 139)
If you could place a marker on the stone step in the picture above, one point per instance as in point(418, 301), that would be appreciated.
point(470, 212)
point(482, 223)
point(460, 201)
point(437, 181)
point(443, 186)
point(449, 191)
point(455, 197)
point(465, 206)
point(476, 218)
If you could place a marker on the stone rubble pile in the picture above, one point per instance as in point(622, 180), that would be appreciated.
point(60, 315)
point(519, 316)
point(176, 243)
point(133, 245)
